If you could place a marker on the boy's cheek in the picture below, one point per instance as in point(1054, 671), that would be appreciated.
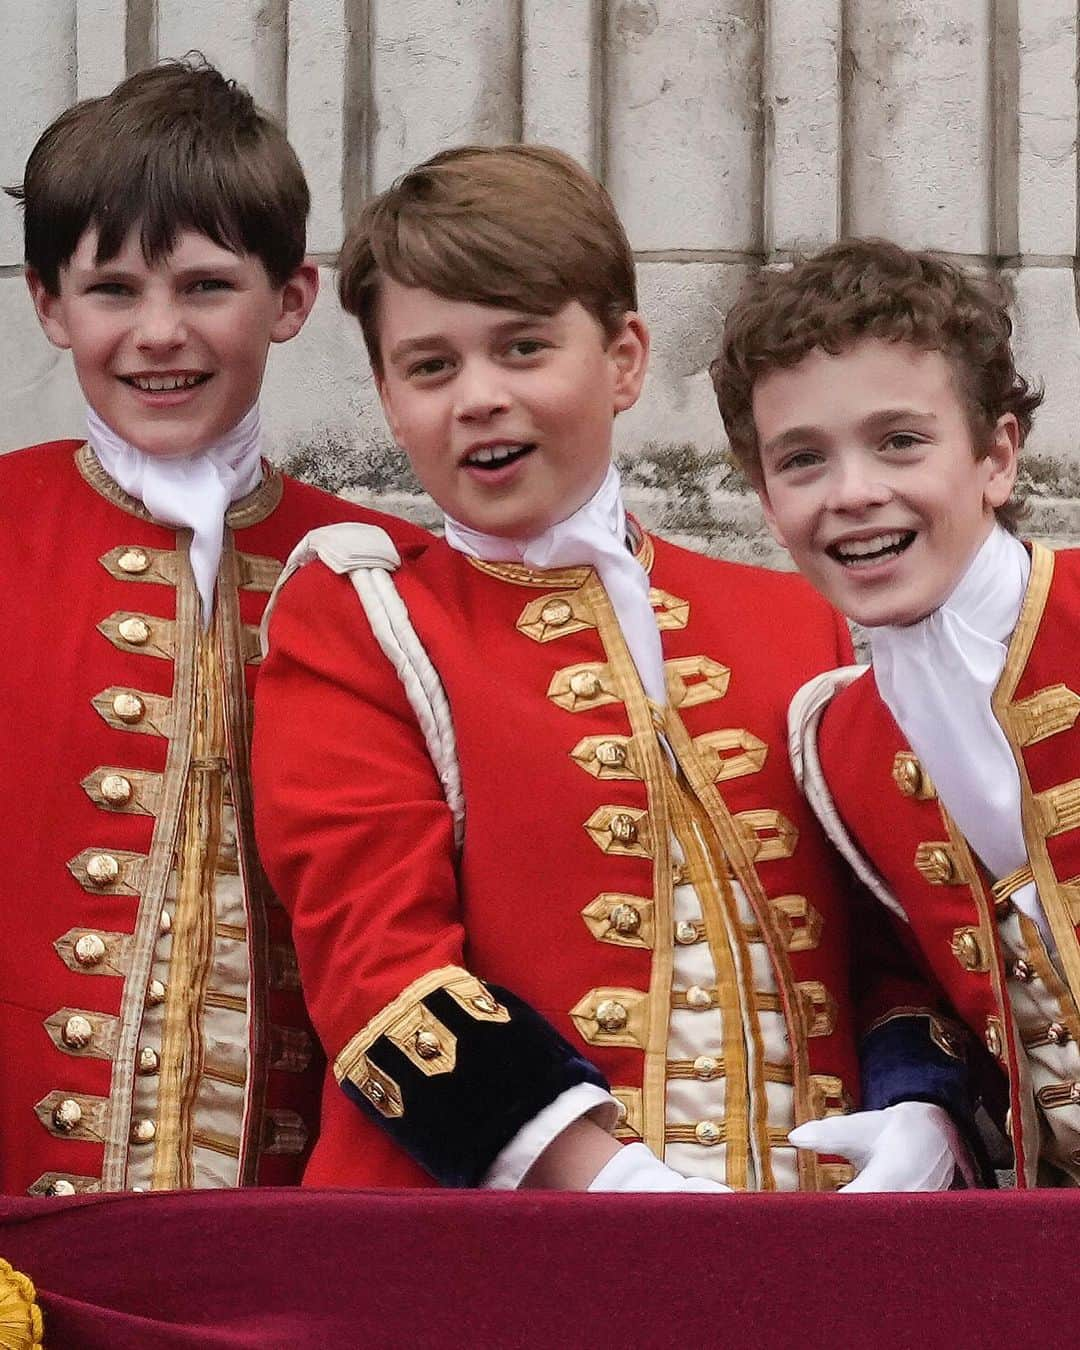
point(771, 521)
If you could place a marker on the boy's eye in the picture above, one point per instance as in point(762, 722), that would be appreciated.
point(902, 440)
point(108, 288)
point(428, 368)
point(527, 347)
point(207, 284)
point(801, 459)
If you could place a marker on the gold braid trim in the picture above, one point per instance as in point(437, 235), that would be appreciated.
point(20, 1316)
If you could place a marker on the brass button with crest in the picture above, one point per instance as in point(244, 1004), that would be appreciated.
point(103, 869)
point(485, 1003)
point(155, 992)
point(1020, 970)
point(967, 949)
point(686, 932)
point(625, 918)
point(428, 1045)
point(374, 1092)
point(707, 1132)
point(149, 1061)
point(908, 774)
point(134, 631)
point(623, 828)
point(995, 1040)
point(67, 1115)
point(1057, 1033)
point(77, 1032)
point(61, 1186)
point(134, 561)
point(585, 683)
point(611, 754)
point(555, 613)
point(699, 998)
point(611, 1015)
point(90, 950)
point(706, 1067)
point(128, 707)
point(116, 789)
point(143, 1131)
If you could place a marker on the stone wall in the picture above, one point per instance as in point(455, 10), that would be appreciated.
point(731, 135)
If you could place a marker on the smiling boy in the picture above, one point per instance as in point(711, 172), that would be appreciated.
point(151, 1027)
point(872, 397)
point(634, 892)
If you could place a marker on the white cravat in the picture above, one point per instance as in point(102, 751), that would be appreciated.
point(192, 491)
point(594, 536)
point(937, 677)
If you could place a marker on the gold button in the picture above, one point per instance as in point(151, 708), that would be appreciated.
point(61, 1186)
point(134, 631)
point(1057, 1033)
point(134, 561)
point(686, 932)
point(625, 919)
point(77, 1033)
point(706, 1066)
point(428, 1045)
point(165, 922)
point(556, 613)
point(155, 992)
point(707, 1132)
point(967, 949)
point(623, 828)
point(149, 1060)
point(1020, 970)
point(907, 774)
point(90, 950)
point(67, 1115)
point(375, 1092)
point(143, 1131)
point(611, 1015)
point(484, 1003)
point(993, 1037)
point(585, 683)
point(116, 789)
point(612, 754)
point(938, 865)
point(696, 997)
point(103, 869)
point(129, 707)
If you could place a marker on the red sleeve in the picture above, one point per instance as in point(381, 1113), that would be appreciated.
point(354, 831)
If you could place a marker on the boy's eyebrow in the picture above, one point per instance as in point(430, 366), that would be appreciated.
point(876, 421)
point(426, 341)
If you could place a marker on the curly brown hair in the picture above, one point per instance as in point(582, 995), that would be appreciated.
point(872, 288)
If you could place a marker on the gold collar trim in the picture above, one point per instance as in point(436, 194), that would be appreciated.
point(570, 577)
point(250, 510)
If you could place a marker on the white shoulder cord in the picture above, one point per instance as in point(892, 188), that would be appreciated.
point(804, 717)
point(366, 554)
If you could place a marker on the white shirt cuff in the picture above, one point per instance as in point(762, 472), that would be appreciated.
point(508, 1170)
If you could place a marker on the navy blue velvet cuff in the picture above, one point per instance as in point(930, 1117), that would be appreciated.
point(902, 1060)
point(454, 1123)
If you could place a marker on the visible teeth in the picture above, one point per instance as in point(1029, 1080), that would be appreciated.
point(493, 454)
point(157, 384)
point(862, 548)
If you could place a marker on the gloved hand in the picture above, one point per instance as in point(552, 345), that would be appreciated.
point(913, 1146)
point(636, 1168)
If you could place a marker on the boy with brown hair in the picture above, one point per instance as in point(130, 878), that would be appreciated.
point(872, 396)
point(151, 1026)
point(529, 812)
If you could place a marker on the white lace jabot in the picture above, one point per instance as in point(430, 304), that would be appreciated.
point(937, 677)
point(192, 491)
point(594, 536)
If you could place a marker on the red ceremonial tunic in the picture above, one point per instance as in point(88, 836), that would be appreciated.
point(151, 1028)
point(988, 957)
point(563, 892)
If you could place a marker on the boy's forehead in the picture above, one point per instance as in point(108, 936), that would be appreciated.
point(409, 314)
point(191, 248)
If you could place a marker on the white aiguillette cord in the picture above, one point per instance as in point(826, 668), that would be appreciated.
point(594, 536)
point(190, 491)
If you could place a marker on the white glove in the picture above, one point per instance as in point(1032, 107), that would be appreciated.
point(913, 1146)
point(636, 1168)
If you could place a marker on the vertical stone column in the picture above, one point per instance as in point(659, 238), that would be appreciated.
point(561, 76)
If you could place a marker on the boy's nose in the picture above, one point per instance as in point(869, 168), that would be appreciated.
point(480, 391)
point(857, 483)
point(158, 324)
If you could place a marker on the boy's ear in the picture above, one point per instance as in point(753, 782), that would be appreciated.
point(48, 309)
point(1001, 461)
point(629, 353)
point(296, 300)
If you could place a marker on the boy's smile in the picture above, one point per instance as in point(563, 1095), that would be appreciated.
point(171, 354)
point(870, 476)
point(506, 417)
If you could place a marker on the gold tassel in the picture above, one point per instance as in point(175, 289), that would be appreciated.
point(20, 1316)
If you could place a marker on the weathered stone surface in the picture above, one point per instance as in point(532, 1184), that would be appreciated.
point(442, 72)
point(1046, 118)
point(682, 122)
point(917, 123)
point(560, 77)
point(101, 28)
point(246, 38)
